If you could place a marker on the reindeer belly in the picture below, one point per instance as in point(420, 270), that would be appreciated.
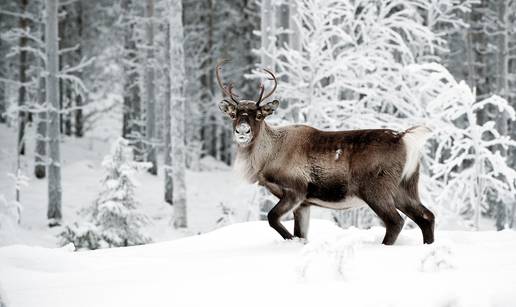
point(332, 195)
point(346, 203)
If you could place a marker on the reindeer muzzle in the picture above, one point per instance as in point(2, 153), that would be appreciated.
point(243, 133)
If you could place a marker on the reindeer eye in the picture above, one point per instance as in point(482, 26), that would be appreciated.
point(259, 115)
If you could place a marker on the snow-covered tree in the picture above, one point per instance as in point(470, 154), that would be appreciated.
point(351, 54)
point(130, 74)
point(22, 91)
point(26, 49)
point(178, 111)
point(464, 166)
point(40, 154)
point(468, 160)
point(167, 165)
point(447, 20)
point(133, 126)
point(52, 83)
point(114, 219)
point(40, 170)
point(149, 88)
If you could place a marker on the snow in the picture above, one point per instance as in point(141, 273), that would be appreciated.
point(248, 264)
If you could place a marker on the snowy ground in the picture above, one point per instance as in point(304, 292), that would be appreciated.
point(247, 265)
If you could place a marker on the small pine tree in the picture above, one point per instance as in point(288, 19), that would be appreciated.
point(113, 218)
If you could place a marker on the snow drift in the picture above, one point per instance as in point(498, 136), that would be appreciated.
point(247, 264)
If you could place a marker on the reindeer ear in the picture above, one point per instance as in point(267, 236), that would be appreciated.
point(228, 107)
point(267, 109)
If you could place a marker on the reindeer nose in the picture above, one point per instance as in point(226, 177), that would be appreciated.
point(243, 128)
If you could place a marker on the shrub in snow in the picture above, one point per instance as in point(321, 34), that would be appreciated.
point(227, 216)
point(330, 258)
point(439, 258)
point(84, 236)
point(113, 218)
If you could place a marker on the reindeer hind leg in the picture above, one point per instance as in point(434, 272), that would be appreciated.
point(381, 202)
point(423, 218)
point(408, 202)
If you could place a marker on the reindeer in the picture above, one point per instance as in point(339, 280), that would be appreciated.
point(303, 166)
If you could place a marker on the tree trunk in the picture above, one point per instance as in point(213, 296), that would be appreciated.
point(132, 111)
point(208, 131)
point(68, 114)
point(126, 107)
point(217, 135)
point(22, 91)
point(79, 120)
point(130, 124)
point(282, 20)
point(169, 187)
point(294, 39)
point(150, 98)
point(54, 167)
point(177, 140)
point(3, 85)
point(478, 44)
point(61, 58)
point(502, 208)
point(41, 134)
point(512, 218)
point(267, 28)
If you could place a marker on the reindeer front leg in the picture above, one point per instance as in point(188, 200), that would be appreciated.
point(289, 201)
point(301, 221)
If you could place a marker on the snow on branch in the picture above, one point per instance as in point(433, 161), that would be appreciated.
point(18, 15)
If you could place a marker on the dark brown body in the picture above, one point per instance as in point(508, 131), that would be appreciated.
point(304, 166)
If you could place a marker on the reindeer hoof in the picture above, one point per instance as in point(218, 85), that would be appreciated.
point(288, 237)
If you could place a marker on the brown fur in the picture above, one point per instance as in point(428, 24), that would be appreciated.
point(363, 163)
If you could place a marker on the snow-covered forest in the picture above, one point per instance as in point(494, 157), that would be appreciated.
point(111, 136)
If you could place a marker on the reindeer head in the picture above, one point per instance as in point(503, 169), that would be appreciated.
point(247, 115)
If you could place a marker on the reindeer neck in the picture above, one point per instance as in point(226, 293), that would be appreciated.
point(251, 159)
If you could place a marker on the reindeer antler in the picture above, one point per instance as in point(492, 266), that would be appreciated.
point(227, 91)
point(262, 88)
point(262, 97)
